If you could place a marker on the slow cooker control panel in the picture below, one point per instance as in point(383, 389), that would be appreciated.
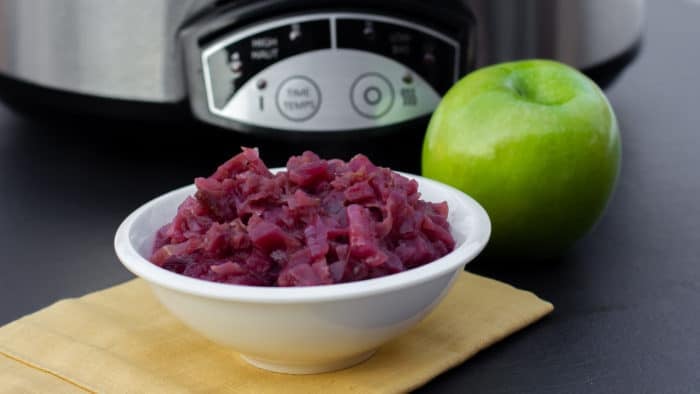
point(328, 72)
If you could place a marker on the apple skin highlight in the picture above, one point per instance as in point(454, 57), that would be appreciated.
point(537, 143)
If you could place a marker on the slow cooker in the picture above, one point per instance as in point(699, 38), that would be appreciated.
point(288, 69)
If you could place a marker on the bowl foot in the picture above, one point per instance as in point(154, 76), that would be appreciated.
point(308, 368)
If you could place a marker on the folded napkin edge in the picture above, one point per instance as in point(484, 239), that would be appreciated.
point(20, 360)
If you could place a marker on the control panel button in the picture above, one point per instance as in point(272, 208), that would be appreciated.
point(372, 95)
point(298, 98)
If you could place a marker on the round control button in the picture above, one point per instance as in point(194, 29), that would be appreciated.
point(298, 98)
point(372, 95)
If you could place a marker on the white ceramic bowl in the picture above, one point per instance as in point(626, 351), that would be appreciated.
point(304, 329)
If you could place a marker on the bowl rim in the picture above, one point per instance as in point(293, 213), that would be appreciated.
point(477, 238)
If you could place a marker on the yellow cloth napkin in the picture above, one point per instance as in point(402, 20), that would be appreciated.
point(121, 340)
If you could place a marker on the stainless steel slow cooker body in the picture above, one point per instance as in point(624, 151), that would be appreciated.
point(157, 51)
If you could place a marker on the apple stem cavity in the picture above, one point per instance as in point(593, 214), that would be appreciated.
point(544, 87)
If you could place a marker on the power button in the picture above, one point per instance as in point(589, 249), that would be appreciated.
point(372, 95)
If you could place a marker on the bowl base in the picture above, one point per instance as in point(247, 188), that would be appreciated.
point(309, 369)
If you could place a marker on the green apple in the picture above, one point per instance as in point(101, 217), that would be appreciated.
point(536, 142)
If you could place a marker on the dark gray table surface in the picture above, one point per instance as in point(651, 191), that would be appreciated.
point(627, 296)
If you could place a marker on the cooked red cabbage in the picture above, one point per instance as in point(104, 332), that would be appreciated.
point(319, 222)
